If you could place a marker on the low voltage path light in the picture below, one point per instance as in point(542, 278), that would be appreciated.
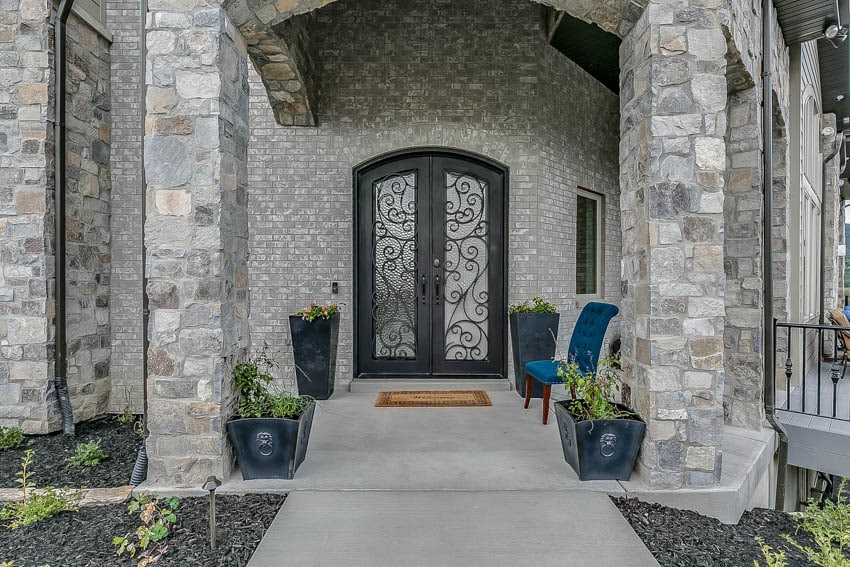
point(211, 484)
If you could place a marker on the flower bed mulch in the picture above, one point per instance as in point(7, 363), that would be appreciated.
point(84, 538)
point(50, 451)
point(681, 538)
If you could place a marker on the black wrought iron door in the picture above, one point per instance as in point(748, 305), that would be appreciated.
point(430, 269)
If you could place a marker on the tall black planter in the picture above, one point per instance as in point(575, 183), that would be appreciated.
point(271, 447)
point(314, 349)
point(601, 449)
point(533, 337)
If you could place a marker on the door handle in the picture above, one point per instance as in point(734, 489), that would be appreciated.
point(424, 288)
point(437, 290)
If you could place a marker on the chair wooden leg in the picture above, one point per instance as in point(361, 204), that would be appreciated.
point(547, 390)
point(527, 390)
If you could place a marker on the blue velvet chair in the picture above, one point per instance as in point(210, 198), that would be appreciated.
point(585, 345)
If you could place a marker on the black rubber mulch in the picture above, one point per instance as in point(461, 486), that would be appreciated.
point(680, 538)
point(50, 451)
point(84, 538)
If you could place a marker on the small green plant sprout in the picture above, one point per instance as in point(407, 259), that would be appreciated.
point(538, 305)
point(10, 437)
point(149, 538)
point(37, 503)
point(87, 455)
point(126, 416)
point(772, 558)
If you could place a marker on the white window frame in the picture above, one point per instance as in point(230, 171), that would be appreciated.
point(600, 261)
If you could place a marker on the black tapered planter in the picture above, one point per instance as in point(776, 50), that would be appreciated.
point(534, 336)
point(314, 349)
point(270, 447)
point(601, 449)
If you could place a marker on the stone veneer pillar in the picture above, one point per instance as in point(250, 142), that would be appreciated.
point(673, 159)
point(195, 233)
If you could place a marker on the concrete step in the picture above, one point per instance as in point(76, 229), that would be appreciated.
point(373, 385)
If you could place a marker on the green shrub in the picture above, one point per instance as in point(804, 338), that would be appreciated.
point(37, 504)
point(829, 525)
point(10, 437)
point(252, 379)
point(87, 455)
point(148, 539)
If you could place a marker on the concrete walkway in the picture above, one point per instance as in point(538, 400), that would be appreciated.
point(440, 487)
point(450, 529)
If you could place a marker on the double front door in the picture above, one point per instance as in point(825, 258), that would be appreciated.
point(430, 268)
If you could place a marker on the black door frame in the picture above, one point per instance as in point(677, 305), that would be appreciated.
point(431, 151)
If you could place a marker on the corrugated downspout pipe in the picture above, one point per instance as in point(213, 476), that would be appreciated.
point(767, 265)
point(60, 369)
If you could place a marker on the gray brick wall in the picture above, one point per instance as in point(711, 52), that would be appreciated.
point(125, 298)
point(443, 87)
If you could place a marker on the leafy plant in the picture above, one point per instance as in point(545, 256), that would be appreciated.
point(829, 525)
point(593, 393)
point(127, 415)
point(148, 539)
point(10, 437)
point(252, 378)
point(314, 312)
point(87, 454)
point(538, 305)
point(37, 504)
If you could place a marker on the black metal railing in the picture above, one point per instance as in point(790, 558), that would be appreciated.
point(809, 352)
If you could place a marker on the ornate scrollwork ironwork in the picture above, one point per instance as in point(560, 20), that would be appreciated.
point(394, 234)
point(465, 292)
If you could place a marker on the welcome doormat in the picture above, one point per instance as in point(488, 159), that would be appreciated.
point(433, 399)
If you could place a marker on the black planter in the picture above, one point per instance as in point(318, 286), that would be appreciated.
point(533, 337)
point(270, 447)
point(603, 449)
point(314, 349)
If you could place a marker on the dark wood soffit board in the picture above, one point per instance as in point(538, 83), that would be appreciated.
point(591, 48)
point(805, 20)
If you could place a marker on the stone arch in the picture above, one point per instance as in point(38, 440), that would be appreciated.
point(278, 43)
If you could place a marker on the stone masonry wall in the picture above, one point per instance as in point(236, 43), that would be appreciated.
point(87, 202)
point(196, 235)
point(401, 85)
point(125, 297)
point(26, 394)
point(742, 237)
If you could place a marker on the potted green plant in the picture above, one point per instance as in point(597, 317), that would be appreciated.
point(534, 336)
point(271, 429)
point(600, 438)
point(315, 335)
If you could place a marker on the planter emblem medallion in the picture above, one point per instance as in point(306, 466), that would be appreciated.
point(265, 446)
point(608, 443)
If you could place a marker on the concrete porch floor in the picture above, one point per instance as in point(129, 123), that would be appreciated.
point(454, 486)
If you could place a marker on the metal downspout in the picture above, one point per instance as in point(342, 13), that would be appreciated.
point(60, 368)
point(826, 160)
point(767, 265)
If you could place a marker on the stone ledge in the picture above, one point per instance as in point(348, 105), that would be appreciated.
point(88, 496)
point(747, 456)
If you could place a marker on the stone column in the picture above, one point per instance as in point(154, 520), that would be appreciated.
point(27, 399)
point(195, 233)
point(673, 159)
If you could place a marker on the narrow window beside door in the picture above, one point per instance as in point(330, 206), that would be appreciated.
point(588, 243)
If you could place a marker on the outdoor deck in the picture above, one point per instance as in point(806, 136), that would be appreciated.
point(818, 432)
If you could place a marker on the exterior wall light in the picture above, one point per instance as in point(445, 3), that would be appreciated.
point(835, 34)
